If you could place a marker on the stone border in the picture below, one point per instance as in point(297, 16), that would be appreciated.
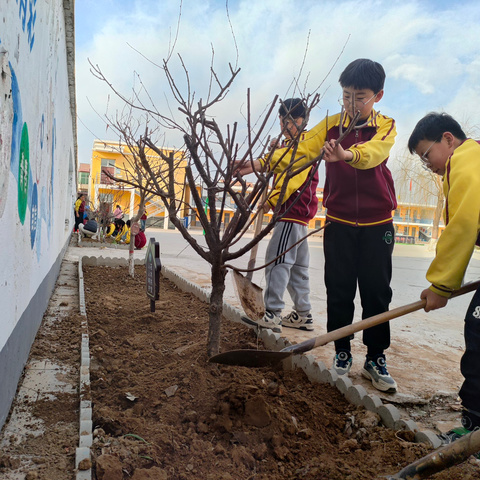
point(98, 244)
point(82, 453)
point(315, 370)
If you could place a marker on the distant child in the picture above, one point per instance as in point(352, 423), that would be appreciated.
point(118, 213)
point(89, 229)
point(119, 229)
point(110, 230)
point(140, 240)
point(290, 270)
point(124, 234)
point(143, 221)
point(79, 210)
point(359, 197)
point(443, 147)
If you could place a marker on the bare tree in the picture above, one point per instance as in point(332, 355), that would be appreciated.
point(101, 207)
point(132, 174)
point(213, 156)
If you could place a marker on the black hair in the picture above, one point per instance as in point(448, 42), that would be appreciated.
point(432, 126)
point(363, 74)
point(295, 107)
point(128, 223)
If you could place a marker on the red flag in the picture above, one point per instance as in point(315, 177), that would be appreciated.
point(410, 184)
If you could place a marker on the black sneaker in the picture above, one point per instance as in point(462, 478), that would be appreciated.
point(470, 421)
point(342, 362)
point(376, 370)
point(454, 434)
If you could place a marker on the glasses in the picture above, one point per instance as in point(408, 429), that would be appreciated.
point(359, 103)
point(424, 158)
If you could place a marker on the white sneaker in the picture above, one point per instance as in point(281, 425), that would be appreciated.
point(376, 371)
point(269, 320)
point(342, 362)
point(294, 320)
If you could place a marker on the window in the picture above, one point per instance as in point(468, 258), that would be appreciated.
point(105, 197)
point(107, 165)
point(108, 162)
point(83, 178)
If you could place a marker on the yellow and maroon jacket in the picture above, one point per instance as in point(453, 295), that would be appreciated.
point(300, 203)
point(360, 192)
point(461, 185)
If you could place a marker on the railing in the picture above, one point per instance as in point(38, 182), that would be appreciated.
point(419, 221)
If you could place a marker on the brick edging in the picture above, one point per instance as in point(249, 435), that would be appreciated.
point(82, 452)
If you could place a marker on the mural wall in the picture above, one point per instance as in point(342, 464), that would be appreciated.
point(37, 168)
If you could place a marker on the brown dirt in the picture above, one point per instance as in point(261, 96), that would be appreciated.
point(161, 411)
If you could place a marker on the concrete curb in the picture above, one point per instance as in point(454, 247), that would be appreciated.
point(83, 461)
point(315, 370)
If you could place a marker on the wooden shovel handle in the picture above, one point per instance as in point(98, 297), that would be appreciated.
point(370, 322)
point(442, 458)
point(258, 229)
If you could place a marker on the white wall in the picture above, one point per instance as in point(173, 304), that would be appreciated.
point(37, 172)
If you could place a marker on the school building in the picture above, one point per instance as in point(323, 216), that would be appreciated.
point(413, 222)
point(117, 159)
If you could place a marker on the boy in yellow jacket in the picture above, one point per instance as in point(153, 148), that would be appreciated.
point(287, 256)
point(444, 148)
point(359, 197)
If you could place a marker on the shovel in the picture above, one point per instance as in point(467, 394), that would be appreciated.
point(250, 294)
point(264, 358)
point(442, 458)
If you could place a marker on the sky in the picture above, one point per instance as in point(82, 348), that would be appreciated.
point(428, 48)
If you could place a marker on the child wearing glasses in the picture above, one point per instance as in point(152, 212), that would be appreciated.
point(443, 147)
point(359, 197)
point(289, 271)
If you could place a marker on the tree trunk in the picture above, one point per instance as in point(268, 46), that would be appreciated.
point(216, 307)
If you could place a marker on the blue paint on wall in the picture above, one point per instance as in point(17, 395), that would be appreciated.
point(16, 125)
point(42, 131)
point(26, 9)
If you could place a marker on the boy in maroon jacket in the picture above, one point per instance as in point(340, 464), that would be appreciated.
point(359, 196)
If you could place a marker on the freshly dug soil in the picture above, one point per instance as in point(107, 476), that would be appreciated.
point(161, 411)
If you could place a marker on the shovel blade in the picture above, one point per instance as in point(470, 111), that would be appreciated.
point(250, 295)
point(250, 358)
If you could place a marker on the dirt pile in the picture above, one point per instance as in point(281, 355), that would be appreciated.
point(161, 411)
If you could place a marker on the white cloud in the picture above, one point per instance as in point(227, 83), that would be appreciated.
point(429, 50)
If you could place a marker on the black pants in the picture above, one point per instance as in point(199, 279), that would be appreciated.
point(470, 363)
point(363, 256)
point(78, 221)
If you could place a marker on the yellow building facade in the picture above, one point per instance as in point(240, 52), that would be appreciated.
point(117, 159)
point(413, 222)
